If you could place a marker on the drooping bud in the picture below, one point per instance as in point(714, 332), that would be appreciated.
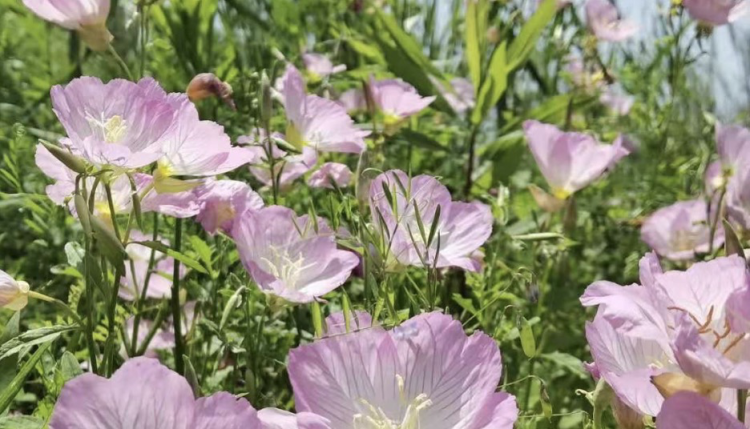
point(206, 85)
point(14, 295)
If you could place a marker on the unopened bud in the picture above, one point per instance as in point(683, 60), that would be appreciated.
point(206, 85)
point(14, 295)
point(266, 100)
point(493, 35)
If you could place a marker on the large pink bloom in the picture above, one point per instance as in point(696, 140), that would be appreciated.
point(396, 99)
point(87, 17)
point(292, 257)
point(461, 227)
point(681, 230)
point(222, 201)
point(604, 20)
point(425, 373)
point(317, 122)
point(691, 410)
point(569, 161)
point(144, 394)
point(716, 12)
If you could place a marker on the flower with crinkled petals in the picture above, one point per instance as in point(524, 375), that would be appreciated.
point(120, 124)
point(691, 410)
point(87, 17)
point(319, 66)
point(328, 173)
point(145, 394)
point(681, 230)
point(396, 100)
point(604, 21)
point(291, 257)
point(317, 122)
point(716, 12)
point(461, 227)
point(569, 161)
point(425, 373)
point(222, 201)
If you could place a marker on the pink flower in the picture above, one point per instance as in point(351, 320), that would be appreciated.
point(119, 123)
point(319, 66)
point(317, 122)
point(222, 201)
point(353, 100)
point(605, 22)
point(145, 394)
point(691, 410)
point(732, 143)
point(716, 12)
point(460, 96)
point(329, 172)
point(569, 161)
point(681, 230)
point(461, 227)
point(424, 373)
point(181, 204)
point(396, 100)
point(619, 104)
point(87, 17)
point(291, 257)
point(287, 168)
point(160, 278)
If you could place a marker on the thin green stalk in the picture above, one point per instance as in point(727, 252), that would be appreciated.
point(179, 346)
point(112, 212)
point(111, 318)
point(90, 307)
point(140, 299)
point(470, 163)
point(160, 316)
point(741, 404)
point(120, 62)
point(715, 223)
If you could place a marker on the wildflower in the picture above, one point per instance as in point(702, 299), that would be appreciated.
point(317, 122)
point(294, 258)
point(87, 17)
point(222, 201)
point(688, 410)
point(145, 394)
point(319, 66)
point(604, 21)
point(287, 167)
point(460, 228)
point(425, 373)
point(569, 161)
point(396, 100)
point(14, 295)
point(716, 12)
point(330, 172)
point(353, 101)
point(681, 230)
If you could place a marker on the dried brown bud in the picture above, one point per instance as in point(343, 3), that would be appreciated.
point(206, 85)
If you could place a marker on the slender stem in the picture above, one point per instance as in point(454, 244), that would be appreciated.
point(179, 347)
point(470, 163)
point(112, 212)
point(143, 10)
point(140, 299)
point(715, 223)
point(120, 62)
point(88, 284)
point(741, 404)
point(160, 316)
point(111, 316)
point(57, 302)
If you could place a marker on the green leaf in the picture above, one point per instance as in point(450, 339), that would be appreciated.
point(108, 244)
point(32, 338)
point(317, 319)
point(476, 20)
point(66, 157)
point(232, 303)
point(544, 398)
point(493, 85)
point(8, 366)
point(407, 44)
point(69, 366)
point(161, 247)
point(10, 392)
point(21, 422)
point(82, 209)
point(421, 140)
point(524, 43)
point(569, 363)
point(202, 249)
point(528, 343)
point(732, 244)
point(192, 377)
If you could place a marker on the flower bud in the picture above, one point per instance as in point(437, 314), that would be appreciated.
point(206, 85)
point(14, 295)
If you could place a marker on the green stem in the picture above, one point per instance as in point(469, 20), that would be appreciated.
point(57, 302)
point(90, 307)
point(111, 318)
point(179, 347)
point(741, 404)
point(120, 61)
point(112, 213)
point(470, 163)
point(160, 316)
point(140, 299)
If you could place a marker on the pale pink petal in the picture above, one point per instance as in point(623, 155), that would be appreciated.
point(690, 410)
point(330, 172)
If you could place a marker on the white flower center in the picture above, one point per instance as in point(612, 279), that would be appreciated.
point(283, 266)
point(112, 130)
point(377, 419)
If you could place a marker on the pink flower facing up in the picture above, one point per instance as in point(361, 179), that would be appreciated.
point(329, 173)
point(319, 66)
point(569, 161)
point(716, 12)
point(159, 280)
point(144, 394)
point(691, 410)
point(604, 21)
point(425, 373)
point(461, 227)
point(87, 17)
point(294, 258)
point(681, 230)
point(287, 168)
point(317, 122)
point(677, 322)
point(120, 123)
point(396, 100)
